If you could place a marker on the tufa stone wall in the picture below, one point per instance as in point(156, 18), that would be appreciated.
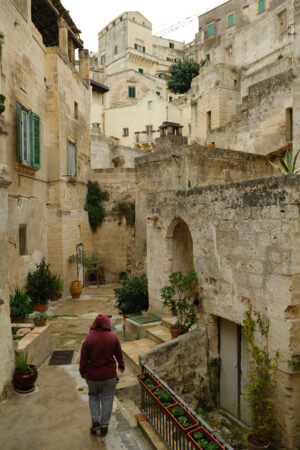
point(245, 237)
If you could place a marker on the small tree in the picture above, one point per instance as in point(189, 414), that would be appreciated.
point(262, 379)
point(181, 74)
point(132, 297)
point(181, 297)
point(93, 206)
point(40, 283)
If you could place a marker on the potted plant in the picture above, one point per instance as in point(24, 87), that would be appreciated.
point(181, 298)
point(163, 397)
point(262, 382)
point(132, 296)
point(147, 381)
point(20, 305)
point(183, 419)
point(80, 259)
point(40, 319)
point(25, 374)
point(40, 286)
point(57, 287)
point(202, 439)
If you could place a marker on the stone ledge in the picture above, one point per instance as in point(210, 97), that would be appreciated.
point(150, 433)
point(37, 344)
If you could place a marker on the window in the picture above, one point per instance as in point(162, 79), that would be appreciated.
point(72, 159)
point(261, 6)
point(149, 131)
point(150, 105)
point(131, 92)
point(121, 18)
point(190, 129)
point(158, 93)
point(125, 131)
point(207, 57)
point(76, 110)
point(289, 124)
point(230, 20)
point(141, 70)
point(229, 50)
point(170, 99)
point(171, 45)
point(114, 23)
point(115, 49)
point(106, 28)
point(210, 30)
point(103, 59)
point(22, 240)
point(29, 137)
point(208, 120)
point(140, 48)
point(282, 22)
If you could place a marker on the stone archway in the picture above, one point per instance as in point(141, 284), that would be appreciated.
point(180, 246)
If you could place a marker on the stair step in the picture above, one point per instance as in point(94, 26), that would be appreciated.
point(159, 334)
point(131, 351)
point(156, 441)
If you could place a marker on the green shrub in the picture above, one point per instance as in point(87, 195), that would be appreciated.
point(40, 283)
point(127, 210)
point(20, 303)
point(132, 297)
point(94, 199)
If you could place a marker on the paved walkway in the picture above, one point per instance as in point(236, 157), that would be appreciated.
point(56, 416)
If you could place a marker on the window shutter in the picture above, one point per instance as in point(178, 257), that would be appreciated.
point(35, 140)
point(230, 20)
point(144, 49)
point(261, 6)
point(19, 132)
point(210, 30)
point(135, 46)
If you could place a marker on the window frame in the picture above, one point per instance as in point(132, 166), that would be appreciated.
point(131, 91)
point(210, 30)
point(261, 6)
point(149, 133)
point(71, 144)
point(29, 133)
point(229, 22)
point(115, 50)
point(125, 132)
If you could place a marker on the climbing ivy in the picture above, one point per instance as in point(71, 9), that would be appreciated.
point(94, 199)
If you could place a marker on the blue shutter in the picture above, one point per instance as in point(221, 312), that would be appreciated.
point(230, 20)
point(261, 6)
point(210, 30)
point(35, 140)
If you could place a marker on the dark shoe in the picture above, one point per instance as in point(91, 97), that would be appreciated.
point(95, 427)
point(104, 431)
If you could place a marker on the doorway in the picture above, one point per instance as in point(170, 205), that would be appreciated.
point(79, 253)
point(234, 370)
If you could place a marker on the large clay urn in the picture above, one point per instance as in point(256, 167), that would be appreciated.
point(41, 307)
point(24, 381)
point(76, 289)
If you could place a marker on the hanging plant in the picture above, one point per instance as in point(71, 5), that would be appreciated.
point(127, 210)
point(94, 199)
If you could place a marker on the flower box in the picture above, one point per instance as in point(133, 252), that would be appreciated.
point(206, 436)
point(183, 425)
point(144, 383)
point(160, 401)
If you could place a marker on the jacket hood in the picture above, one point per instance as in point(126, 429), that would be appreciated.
point(101, 322)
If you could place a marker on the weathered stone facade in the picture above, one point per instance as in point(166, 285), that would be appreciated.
point(244, 250)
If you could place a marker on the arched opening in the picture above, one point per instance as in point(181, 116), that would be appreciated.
point(180, 247)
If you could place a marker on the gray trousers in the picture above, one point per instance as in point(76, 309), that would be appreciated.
point(101, 397)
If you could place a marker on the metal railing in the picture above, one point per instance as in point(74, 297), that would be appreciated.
point(164, 425)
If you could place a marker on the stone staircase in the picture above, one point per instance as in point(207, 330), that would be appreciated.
point(155, 334)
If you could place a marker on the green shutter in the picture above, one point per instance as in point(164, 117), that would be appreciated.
point(230, 21)
point(35, 140)
point(19, 132)
point(210, 30)
point(261, 5)
point(131, 91)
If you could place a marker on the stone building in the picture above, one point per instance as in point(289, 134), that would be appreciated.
point(244, 96)
point(130, 63)
point(238, 229)
point(44, 148)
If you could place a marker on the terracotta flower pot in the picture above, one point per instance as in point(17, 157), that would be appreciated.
point(156, 384)
point(175, 332)
point(209, 437)
point(172, 399)
point(39, 322)
point(254, 443)
point(76, 289)
point(193, 422)
point(24, 382)
point(41, 307)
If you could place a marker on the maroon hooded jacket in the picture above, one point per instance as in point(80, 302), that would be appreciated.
point(98, 350)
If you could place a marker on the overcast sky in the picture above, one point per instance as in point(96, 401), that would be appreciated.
point(91, 16)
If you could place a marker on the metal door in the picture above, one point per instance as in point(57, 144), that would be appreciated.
point(229, 366)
